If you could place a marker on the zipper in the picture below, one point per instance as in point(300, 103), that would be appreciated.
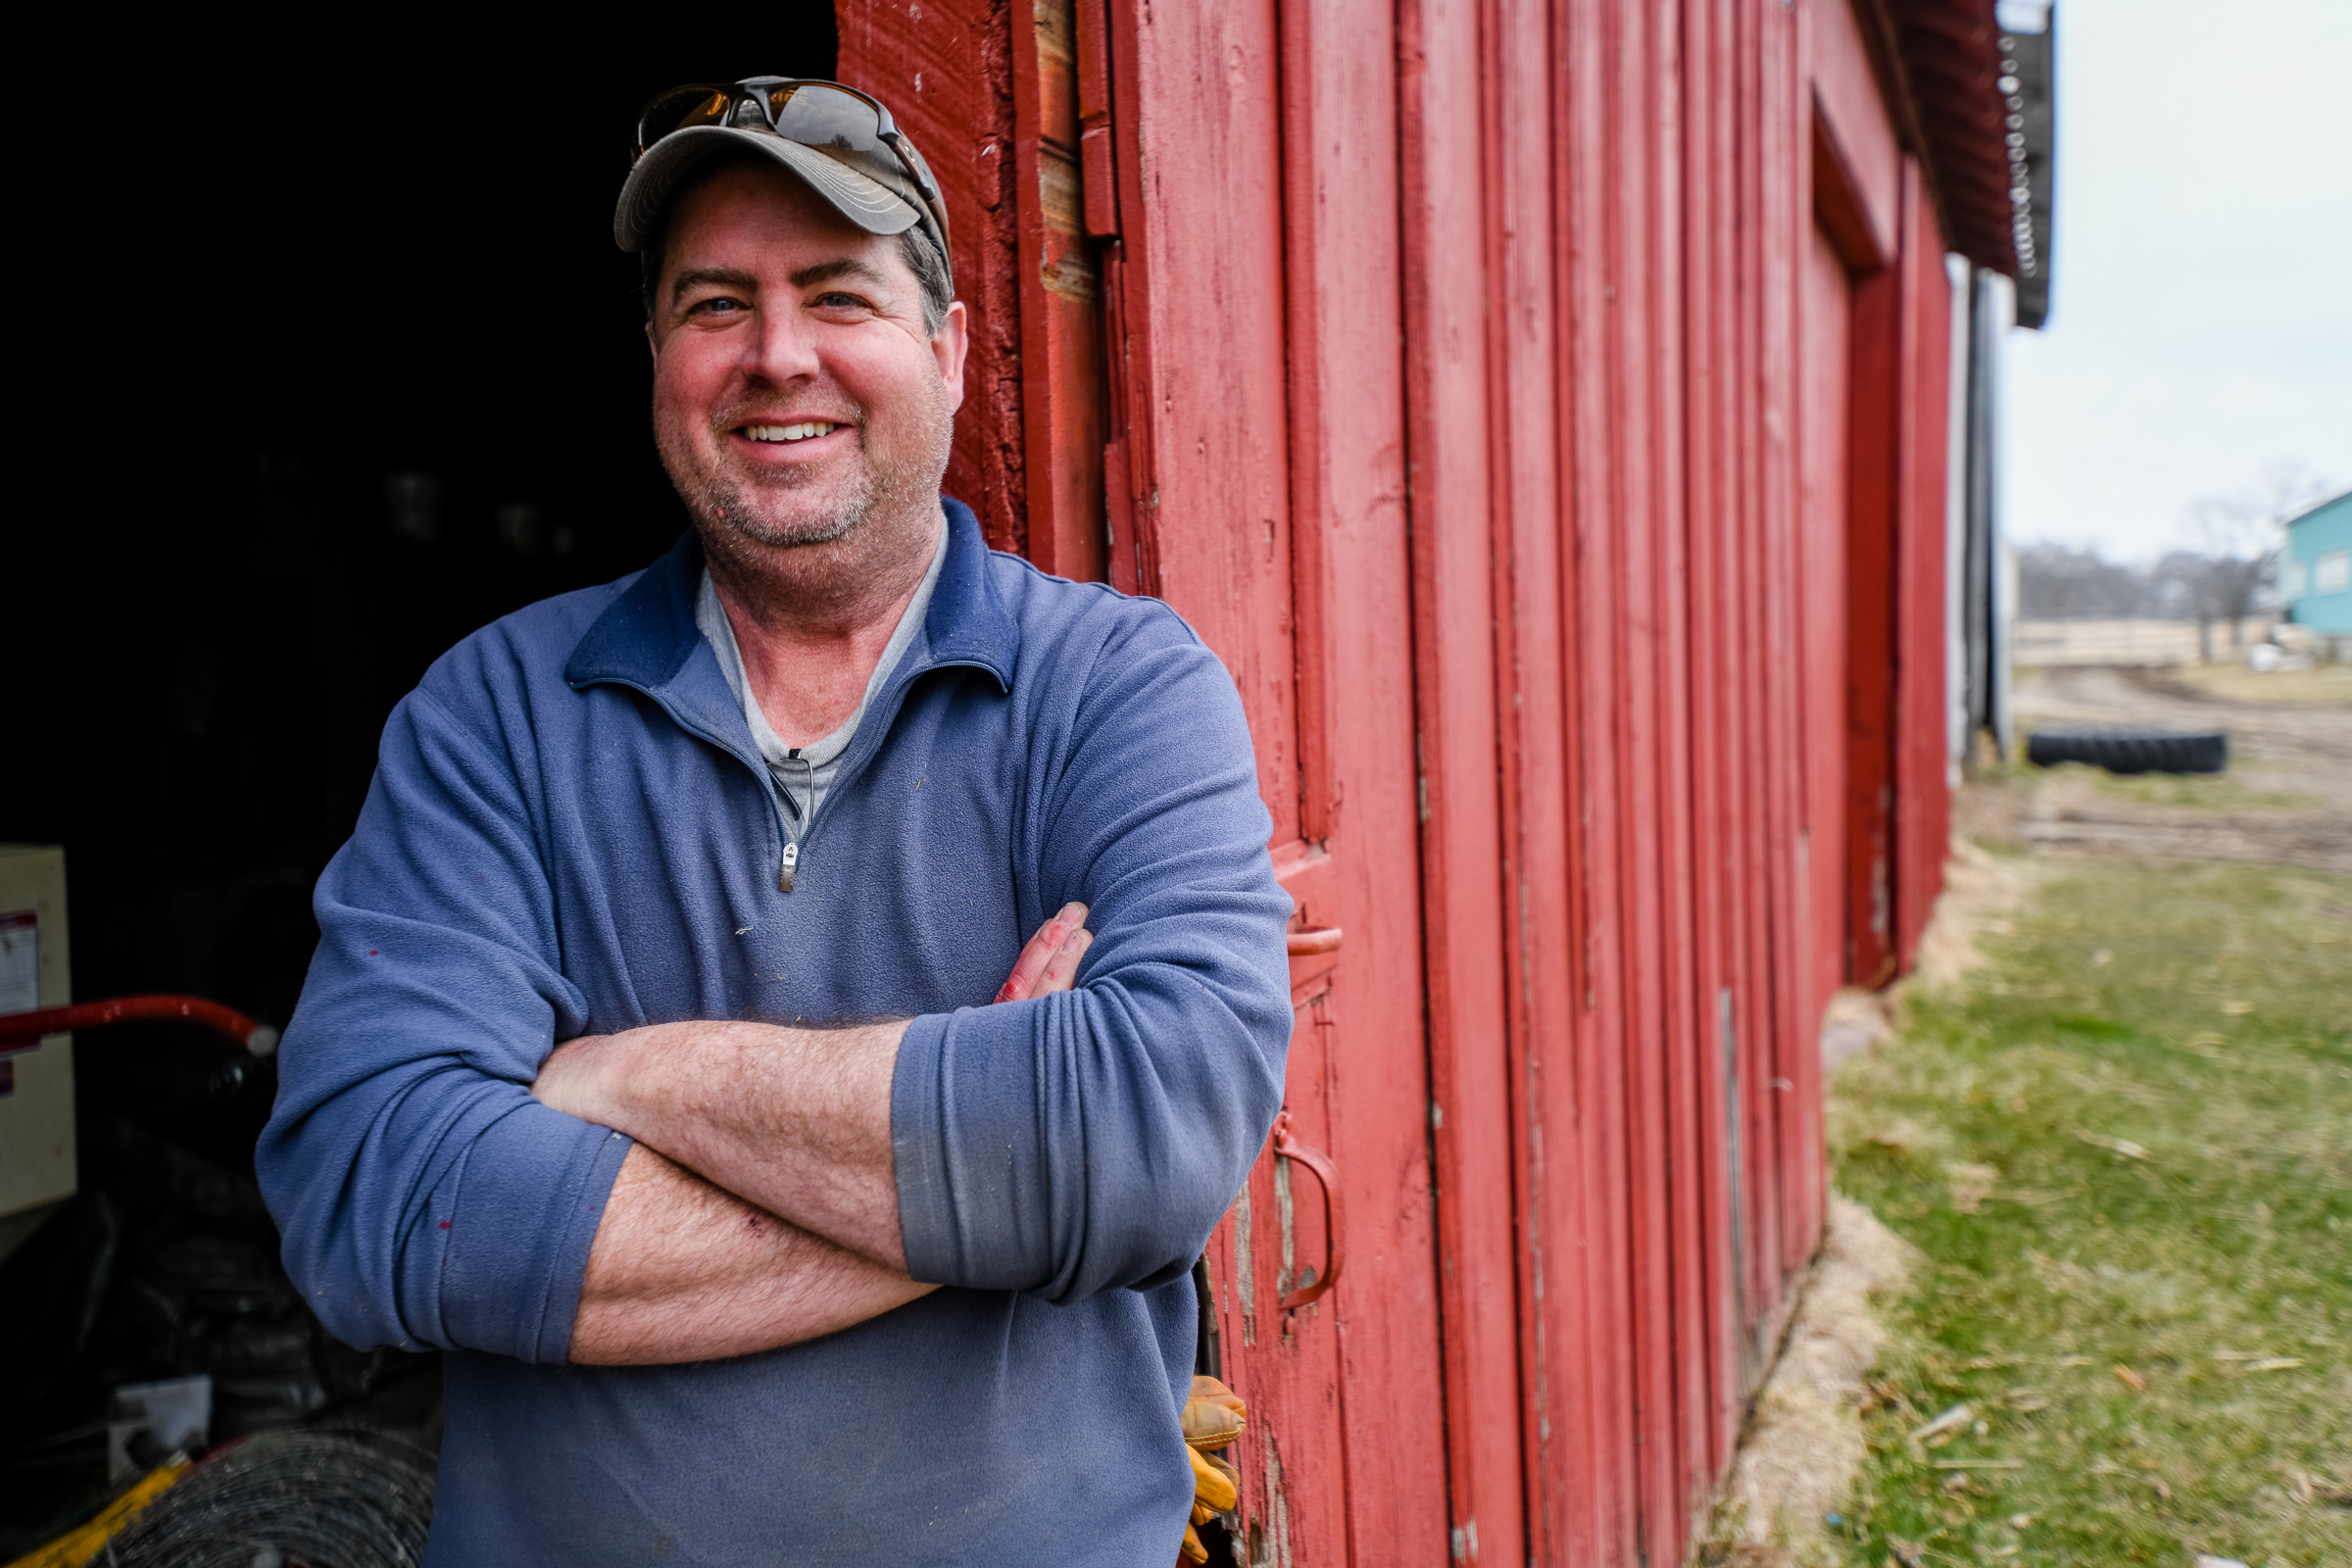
point(759, 770)
point(862, 747)
point(791, 840)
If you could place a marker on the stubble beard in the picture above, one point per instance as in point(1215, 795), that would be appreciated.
point(748, 523)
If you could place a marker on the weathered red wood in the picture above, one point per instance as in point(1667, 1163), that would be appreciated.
point(1712, 1394)
point(1923, 767)
point(1873, 522)
point(1477, 1136)
point(1641, 516)
point(1844, 89)
point(1682, 1422)
point(1782, 229)
point(1824, 424)
point(1517, 329)
point(1554, 126)
point(1059, 292)
point(946, 73)
point(1268, 488)
point(1199, 330)
point(1351, 600)
point(1856, 192)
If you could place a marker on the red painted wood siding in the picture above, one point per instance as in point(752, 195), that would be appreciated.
point(1540, 406)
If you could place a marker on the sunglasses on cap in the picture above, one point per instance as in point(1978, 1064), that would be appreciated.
point(815, 113)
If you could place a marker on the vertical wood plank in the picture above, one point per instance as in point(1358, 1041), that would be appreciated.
point(1582, 1079)
point(1060, 287)
point(1477, 1135)
point(1350, 572)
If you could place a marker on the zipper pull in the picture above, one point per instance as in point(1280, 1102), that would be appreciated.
point(792, 859)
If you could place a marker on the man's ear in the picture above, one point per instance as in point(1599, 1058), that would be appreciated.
point(949, 346)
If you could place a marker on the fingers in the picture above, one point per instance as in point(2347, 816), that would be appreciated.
point(1062, 970)
point(1216, 1485)
point(1041, 950)
point(1212, 1423)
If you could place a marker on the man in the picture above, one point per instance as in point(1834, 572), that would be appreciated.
point(646, 1063)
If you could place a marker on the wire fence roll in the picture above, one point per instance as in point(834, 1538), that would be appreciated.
point(287, 1499)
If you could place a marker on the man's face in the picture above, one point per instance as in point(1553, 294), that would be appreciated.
point(796, 390)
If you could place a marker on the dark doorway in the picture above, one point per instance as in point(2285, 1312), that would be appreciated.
point(332, 359)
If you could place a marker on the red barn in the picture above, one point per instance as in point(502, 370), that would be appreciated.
point(1542, 407)
point(1546, 408)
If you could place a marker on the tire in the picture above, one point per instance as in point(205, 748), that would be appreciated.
point(320, 1498)
point(2131, 751)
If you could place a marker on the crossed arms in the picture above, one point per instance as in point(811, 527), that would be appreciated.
point(759, 1205)
point(1056, 1146)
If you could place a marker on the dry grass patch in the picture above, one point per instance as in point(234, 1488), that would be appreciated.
point(2124, 1147)
point(2322, 686)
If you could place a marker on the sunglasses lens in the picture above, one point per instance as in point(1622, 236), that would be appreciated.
point(825, 116)
point(678, 108)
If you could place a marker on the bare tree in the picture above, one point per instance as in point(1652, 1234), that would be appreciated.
point(2064, 582)
point(2239, 537)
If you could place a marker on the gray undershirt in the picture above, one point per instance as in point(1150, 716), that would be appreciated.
point(802, 776)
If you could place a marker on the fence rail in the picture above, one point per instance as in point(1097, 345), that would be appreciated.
point(2138, 641)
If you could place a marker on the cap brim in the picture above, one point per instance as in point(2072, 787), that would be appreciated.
point(659, 175)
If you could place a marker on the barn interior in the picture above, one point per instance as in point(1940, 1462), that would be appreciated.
point(334, 361)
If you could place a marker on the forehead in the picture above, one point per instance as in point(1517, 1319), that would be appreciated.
point(746, 212)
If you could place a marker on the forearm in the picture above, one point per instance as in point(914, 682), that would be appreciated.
point(683, 1271)
point(792, 1121)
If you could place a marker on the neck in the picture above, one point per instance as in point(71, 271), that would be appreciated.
point(811, 620)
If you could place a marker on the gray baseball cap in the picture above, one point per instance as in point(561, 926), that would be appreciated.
point(843, 145)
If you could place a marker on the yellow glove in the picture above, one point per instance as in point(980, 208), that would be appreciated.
point(1213, 1417)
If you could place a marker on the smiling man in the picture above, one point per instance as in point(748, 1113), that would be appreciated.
point(647, 1063)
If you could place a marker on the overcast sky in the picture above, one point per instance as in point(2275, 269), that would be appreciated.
point(2200, 324)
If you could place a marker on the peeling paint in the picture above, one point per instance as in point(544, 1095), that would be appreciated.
point(1244, 1270)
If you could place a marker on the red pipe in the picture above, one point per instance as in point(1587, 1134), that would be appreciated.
point(21, 1028)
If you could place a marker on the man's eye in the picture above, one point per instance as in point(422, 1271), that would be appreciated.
point(840, 302)
point(719, 306)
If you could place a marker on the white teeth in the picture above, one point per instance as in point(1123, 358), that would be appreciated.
point(790, 432)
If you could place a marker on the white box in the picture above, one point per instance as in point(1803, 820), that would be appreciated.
point(37, 1117)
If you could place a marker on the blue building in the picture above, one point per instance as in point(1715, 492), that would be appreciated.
point(2314, 571)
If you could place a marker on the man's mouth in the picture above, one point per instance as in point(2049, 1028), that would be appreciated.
point(805, 431)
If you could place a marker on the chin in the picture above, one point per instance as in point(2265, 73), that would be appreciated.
point(803, 520)
point(787, 532)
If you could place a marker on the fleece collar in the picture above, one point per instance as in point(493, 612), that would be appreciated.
point(647, 638)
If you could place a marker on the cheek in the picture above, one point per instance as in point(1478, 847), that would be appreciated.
point(686, 385)
point(897, 388)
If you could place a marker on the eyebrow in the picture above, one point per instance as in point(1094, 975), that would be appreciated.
point(744, 283)
point(712, 277)
point(839, 267)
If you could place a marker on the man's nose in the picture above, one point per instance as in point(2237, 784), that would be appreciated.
point(782, 348)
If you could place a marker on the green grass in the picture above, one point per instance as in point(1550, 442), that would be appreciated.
point(2198, 1015)
point(2214, 792)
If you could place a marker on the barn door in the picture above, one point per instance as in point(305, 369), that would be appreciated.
point(1177, 226)
point(1255, 463)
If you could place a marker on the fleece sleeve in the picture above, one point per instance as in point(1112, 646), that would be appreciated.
point(1091, 1140)
point(425, 1197)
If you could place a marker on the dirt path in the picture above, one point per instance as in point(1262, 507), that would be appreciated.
point(2287, 797)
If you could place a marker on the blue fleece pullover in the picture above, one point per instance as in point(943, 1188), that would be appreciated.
point(571, 832)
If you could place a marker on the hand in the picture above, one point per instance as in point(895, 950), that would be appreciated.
point(573, 1076)
point(1049, 962)
point(1213, 1417)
